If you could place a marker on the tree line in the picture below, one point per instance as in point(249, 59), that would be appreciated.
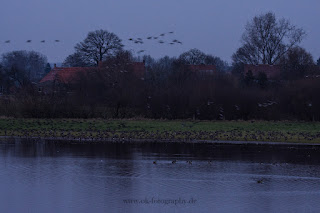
point(170, 89)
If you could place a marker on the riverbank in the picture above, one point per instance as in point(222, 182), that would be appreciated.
point(162, 130)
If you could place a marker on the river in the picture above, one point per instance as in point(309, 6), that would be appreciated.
point(158, 177)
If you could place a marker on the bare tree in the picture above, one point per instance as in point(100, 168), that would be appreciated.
point(267, 39)
point(197, 57)
point(31, 64)
point(98, 45)
point(76, 60)
point(297, 62)
point(193, 57)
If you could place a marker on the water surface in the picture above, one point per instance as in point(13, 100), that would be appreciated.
point(62, 177)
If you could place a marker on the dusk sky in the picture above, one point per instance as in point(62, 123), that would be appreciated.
point(213, 26)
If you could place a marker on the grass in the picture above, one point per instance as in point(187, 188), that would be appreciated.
point(179, 130)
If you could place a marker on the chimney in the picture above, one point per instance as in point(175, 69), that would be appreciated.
point(55, 66)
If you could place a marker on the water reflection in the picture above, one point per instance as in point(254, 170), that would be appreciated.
point(64, 177)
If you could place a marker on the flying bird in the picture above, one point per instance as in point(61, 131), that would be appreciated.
point(176, 41)
point(149, 37)
point(162, 34)
point(8, 41)
point(130, 39)
point(57, 40)
point(171, 32)
point(141, 51)
point(161, 42)
point(43, 41)
point(155, 37)
point(28, 41)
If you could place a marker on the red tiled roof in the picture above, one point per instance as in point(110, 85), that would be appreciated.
point(272, 71)
point(66, 75)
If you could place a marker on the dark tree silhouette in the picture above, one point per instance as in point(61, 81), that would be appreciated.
point(30, 63)
point(193, 57)
point(47, 69)
point(98, 45)
point(248, 79)
point(297, 62)
point(262, 80)
point(267, 39)
point(76, 60)
point(197, 57)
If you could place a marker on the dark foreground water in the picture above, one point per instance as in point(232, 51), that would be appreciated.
point(58, 177)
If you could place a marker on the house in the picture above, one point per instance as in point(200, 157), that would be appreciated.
point(137, 68)
point(60, 77)
point(66, 75)
point(271, 71)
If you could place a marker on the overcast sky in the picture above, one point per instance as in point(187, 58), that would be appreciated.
point(213, 26)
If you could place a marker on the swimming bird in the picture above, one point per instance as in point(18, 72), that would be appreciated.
point(149, 37)
point(8, 41)
point(57, 40)
point(155, 162)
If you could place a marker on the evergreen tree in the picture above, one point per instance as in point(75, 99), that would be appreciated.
point(248, 79)
point(47, 69)
point(262, 80)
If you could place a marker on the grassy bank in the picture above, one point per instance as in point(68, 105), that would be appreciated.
point(284, 131)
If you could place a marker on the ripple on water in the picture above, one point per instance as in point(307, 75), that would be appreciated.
point(99, 184)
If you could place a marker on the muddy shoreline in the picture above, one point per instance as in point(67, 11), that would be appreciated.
point(16, 139)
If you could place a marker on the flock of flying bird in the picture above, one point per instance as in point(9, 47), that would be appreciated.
point(29, 41)
point(159, 39)
point(155, 38)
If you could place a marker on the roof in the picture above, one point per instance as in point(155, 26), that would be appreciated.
point(272, 71)
point(66, 74)
point(202, 68)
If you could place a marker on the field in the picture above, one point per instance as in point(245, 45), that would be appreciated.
point(177, 130)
